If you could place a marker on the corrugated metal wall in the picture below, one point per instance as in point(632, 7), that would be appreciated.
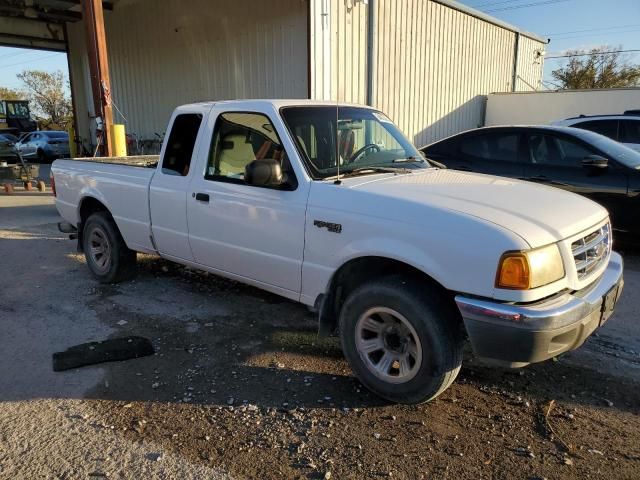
point(434, 64)
point(339, 50)
point(169, 52)
point(530, 65)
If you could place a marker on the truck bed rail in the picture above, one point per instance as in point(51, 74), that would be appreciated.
point(145, 161)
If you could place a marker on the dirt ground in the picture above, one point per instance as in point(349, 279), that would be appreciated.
point(241, 386)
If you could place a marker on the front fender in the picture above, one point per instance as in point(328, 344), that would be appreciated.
point(461, 255)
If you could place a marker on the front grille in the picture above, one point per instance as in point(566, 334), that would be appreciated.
point(592, 251)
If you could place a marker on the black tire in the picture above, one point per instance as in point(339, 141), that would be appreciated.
point(121, 262)
point(434, 320)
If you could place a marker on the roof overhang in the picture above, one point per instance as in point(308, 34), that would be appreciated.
point(38, 23)
point(489, 19)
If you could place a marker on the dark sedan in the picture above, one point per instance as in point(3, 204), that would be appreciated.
point(577, 160)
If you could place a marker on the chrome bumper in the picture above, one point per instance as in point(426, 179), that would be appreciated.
point(521, 334)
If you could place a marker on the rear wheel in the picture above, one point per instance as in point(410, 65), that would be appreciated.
point(108, 257)
point(401, 339)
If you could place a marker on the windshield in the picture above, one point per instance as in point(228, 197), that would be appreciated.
point(363, 139)
point(18, 109)
point(611, 148)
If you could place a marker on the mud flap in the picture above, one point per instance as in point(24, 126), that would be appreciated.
point(113, 350)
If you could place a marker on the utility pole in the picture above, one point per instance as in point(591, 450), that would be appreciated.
point(93, 17)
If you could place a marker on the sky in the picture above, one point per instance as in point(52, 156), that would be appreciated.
point(571, 24)
point(15, 60)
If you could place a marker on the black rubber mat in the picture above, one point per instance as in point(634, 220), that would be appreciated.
point(112, 350)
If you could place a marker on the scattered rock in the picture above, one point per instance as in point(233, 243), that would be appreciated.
point(377, 436)
point(327, 475)
point(122, 322)
point(608, 403)
point(595, 452)
point(230, 401)
point(153, 456)
point(567, 461)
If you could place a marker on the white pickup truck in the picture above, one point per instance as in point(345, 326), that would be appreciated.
point(334, 208)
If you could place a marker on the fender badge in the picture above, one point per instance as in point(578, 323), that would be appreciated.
point(332, 227)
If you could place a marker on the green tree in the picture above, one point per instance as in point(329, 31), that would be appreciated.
point(11, 94)
point(597, 69)
point(48, 96)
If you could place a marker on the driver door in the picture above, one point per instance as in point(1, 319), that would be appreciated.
point(255, 233)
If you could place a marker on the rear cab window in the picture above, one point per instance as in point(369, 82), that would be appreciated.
point(180, 144)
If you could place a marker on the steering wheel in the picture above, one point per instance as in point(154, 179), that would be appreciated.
point(360, 151)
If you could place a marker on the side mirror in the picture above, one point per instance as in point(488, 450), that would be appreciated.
point(595, 161)
point(264, 173)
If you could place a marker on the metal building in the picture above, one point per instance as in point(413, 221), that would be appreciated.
point(427, 63)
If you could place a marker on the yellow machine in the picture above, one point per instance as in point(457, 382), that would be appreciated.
point(15, 116)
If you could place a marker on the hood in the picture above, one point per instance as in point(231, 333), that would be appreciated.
point(539, 214)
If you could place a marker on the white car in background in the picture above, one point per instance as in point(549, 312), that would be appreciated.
point(623, 128)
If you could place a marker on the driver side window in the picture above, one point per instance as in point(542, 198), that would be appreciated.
point(557, 151)
point(240, 138)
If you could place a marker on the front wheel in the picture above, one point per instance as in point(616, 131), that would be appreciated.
point(108, 257)
point(401, 339)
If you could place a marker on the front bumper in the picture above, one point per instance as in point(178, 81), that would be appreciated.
point(516, 335)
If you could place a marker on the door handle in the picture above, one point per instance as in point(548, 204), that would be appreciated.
point(202, 197)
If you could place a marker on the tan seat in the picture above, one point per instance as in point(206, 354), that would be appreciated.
point(235, 154)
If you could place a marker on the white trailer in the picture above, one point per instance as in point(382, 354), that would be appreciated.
point(534, 108)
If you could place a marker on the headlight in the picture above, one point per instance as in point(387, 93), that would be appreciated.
point(531, 269)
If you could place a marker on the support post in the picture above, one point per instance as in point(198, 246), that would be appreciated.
point(99, 69)
point(516, 53)
point(372, 38)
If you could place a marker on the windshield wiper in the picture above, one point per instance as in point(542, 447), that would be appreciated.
point(409, 160)
point(366, 170)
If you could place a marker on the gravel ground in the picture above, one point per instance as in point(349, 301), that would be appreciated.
point(241, 387)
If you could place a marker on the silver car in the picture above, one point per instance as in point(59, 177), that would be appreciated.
point(44, 146)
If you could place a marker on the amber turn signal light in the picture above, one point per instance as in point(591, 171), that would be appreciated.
point(513, 272)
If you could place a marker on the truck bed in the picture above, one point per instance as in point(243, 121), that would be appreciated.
point(121, 184)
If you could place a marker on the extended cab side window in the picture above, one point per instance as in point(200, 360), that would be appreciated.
point(240, 138)
point(501, 147)
point(182, 140)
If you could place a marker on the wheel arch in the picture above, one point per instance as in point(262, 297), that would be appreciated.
point(88, 205)
point(355, 272)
